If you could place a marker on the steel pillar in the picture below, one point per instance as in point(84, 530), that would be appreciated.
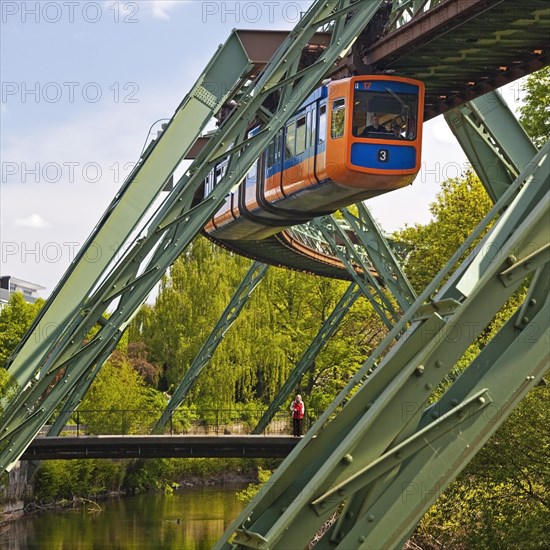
point(356, 458)
point(494, 141)
point(380, 254)
point(352, 259)
point(222, 76)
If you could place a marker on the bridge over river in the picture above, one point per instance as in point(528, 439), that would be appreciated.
point(160, 446)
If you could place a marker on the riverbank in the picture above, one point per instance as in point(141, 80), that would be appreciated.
point(65, 485)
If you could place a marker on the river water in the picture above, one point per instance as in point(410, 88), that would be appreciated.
point(192, 518)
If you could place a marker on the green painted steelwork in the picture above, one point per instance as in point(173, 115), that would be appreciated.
point(380, 254)
point(386, 410)
point(230, 314)
point(224, 72)
point(496, 145)
point(326, 332)
point(177, 221)
point(510, 365)
point(349, 256)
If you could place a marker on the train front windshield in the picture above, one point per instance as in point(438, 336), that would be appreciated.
point(385, 109)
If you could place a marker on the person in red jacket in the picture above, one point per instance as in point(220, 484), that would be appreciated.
point(298, 410)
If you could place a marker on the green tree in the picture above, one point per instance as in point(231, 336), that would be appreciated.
point(119, 401)
point(460, 205)
point(535, 113)
point(15, 318)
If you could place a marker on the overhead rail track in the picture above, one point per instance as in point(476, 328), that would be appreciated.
point(461, 50)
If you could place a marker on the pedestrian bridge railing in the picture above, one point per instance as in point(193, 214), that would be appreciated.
point(183, 421)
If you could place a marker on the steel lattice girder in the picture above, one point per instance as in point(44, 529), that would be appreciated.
point(373, 421)
point(178, 220)
point(495, 143)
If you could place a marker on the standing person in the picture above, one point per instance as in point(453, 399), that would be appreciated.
point(298, 410)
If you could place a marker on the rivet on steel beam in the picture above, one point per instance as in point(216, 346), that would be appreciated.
point(530, 377)
point(525, 319)
point(428, 386)
point(438, 364)
point(454, 402)
point(347, 459)
point(362, 538)
point(434, 414)
point(532, 302)
point(512, 259)
point(481, 400)
point(370, 518)
point(350, 514)
point(419, 371)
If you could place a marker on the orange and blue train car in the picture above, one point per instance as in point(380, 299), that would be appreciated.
point(330, 154)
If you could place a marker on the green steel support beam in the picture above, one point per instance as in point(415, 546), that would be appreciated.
point(494, 141)
point(350, 257)
point(381, 255)
point(126, 284)
point(506, 370)
point(378, 415)
point(221, 76)
point(326, 332)
point(388, 270)
point(249, 283)
point(457, 287)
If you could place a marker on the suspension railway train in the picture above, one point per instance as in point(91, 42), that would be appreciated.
point(327, 156)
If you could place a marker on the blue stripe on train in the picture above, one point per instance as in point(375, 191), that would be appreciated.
point(383, 157)
point(293, 161)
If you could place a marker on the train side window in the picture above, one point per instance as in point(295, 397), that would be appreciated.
point(301, 135)
point(338, 118)
point(290, 139)
point(310, 129)
point(209, 184)
point(322, 123)
point(278, 148)
point(271, 152)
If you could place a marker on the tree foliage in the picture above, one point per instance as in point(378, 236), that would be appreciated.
point(15, 318)
point(535, 113)
point(119, 402)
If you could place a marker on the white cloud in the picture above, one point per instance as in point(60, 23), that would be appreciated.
point(34, 220)
point(131, 11)
point(161, 8)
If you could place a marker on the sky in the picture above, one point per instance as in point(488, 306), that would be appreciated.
point(82, 84)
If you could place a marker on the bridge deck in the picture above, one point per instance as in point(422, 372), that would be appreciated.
point(160, 446)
